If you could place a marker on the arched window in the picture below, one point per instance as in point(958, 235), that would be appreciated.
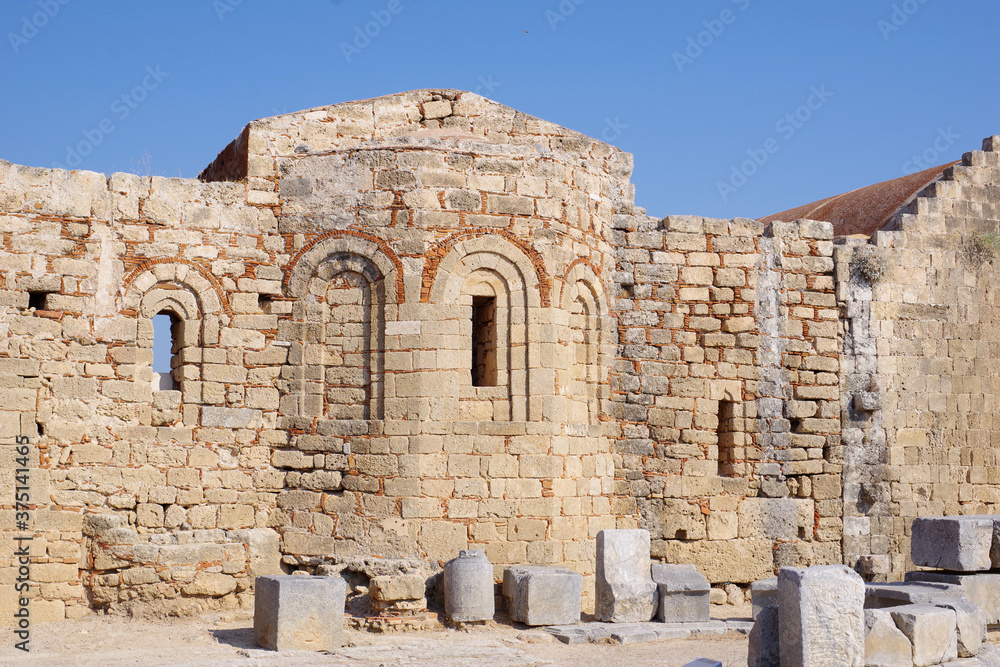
point(166, 347)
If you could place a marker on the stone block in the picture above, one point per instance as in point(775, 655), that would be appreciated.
point(765, 644)
point(390, 588)
point(931, 631)
point(971, 624)
point(885, 644)
point(625, 591)
point(821, 612)
point(959, 543)
point(293, 612)
point(982, 589)
point(878, 596)
point(683, 593)
point(543, 595)
point(468, 587)
point(763, 593)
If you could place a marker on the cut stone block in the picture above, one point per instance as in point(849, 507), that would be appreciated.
point(931, 631)
point(885, 644)
point(821, 612)
point(763, 593)
point(703, 662)
point(764, 646)
point(625, 592)
point(543, 595)
point(292, 612)
point(982, 589)
point(468, 587)
point(960, 543)
point(879, 596)
point(683, 592)
point(970, 622)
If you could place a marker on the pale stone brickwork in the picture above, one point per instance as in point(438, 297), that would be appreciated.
point(423, 323)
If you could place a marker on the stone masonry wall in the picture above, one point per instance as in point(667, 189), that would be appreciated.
point(726, 387)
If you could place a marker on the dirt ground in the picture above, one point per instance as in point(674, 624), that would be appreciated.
point(227, 640)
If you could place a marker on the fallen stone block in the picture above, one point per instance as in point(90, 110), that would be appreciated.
point(970, 622)
point(543, 595)
point(960, 543)
point(764, 648)
point(294, 612)
point(982, 589)
point(821, 613)
point(625, 592)
point(763, 593)
point(710, 627)
point(468, 587)
point(880, 596)
point(885, 644)
point(683, 591)
point(931, 631)
point(703, 662)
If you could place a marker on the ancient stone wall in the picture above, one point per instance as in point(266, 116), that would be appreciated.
point(726, 387)
point(921, 376)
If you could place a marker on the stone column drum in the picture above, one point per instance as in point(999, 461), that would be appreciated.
point(468, 587)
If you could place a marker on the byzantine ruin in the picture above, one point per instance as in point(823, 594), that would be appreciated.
point(425, 323)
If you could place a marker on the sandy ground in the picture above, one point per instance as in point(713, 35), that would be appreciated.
point(227, 640)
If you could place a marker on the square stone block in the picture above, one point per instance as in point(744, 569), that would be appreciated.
point(959, 543)
point(931, 631)
point(684, 593)
point(299, 613)
point(982, 589)
point(625, 591)
point(543, 595)
point(821, 614)
point(763, 593)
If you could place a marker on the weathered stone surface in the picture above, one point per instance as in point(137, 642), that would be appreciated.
point(763, 593)
point(299, 613)
point(543, 595)
point(684, 593)
point(765, 639)
point(625, 592)
point(885, 644)
point(982, 589)
point(821, 611)
point(897, 593)
point(468, 587)
point(960, 543)
point(970, 622)
point(398, 587)
point(931, 631)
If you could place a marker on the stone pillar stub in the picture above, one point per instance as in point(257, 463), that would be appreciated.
point(295, 612)
point(468, 587)
point(958, 543)
point(625, 591)
point(543, 595)
point(821, 612)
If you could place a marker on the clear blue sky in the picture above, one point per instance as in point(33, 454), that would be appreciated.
point(927, 73)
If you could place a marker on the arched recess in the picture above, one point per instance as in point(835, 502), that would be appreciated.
point(336, 338)
point(588, 337)
point(488, 272)
point(194, 303)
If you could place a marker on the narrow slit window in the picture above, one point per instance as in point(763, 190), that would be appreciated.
point(166, 331)
point(731, 443)
point(38, 300)
point(484, 341)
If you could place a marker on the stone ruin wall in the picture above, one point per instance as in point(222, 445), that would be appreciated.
point(726, 387)
point(920, 378)
point(690, 376)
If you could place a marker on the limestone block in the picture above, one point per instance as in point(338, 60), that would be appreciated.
point(264, 550)
point(765, 644)
point(885, 644)
point(763, 593)
point(543, 595)
point(960, 543)
point(931, 631)
point(982, 589)
point(971, 624)
point(683, 591)
point(468, 587)
point(821, 611)
point(625, 592)
point(879, 595)
point(293, 612)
